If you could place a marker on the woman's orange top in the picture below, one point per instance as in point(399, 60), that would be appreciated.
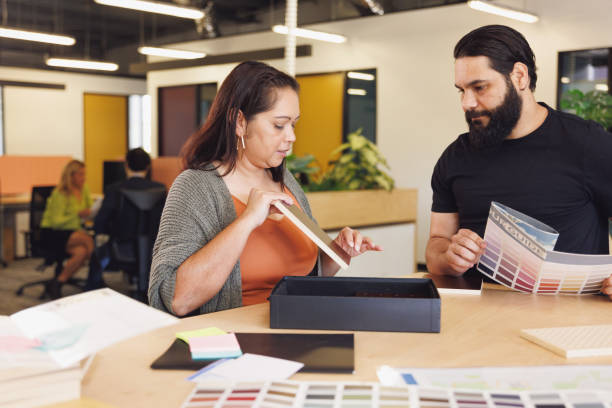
point(275, 249)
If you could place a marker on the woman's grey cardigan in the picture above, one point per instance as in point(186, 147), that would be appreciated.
point(199, 206)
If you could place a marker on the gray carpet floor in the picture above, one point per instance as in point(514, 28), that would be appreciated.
point(22, 271)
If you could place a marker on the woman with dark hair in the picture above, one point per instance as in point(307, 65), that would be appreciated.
point(220, 243)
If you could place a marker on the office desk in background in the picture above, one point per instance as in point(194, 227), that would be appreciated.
point(10, 206)
point(476, 331)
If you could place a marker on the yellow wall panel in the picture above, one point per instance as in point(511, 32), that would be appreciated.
point(319, 130)
point(105, 119)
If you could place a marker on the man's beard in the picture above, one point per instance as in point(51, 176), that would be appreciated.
point(501, 121)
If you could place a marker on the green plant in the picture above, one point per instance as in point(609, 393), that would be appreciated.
point(302, 169)
point(357, 167)
point(593, 105)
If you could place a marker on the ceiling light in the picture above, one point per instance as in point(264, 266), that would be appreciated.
point(82, 64)
point(167, 52)
point(502, 11)
point(565, 80)
point(355, 91)
point(16, 34)
point(601, 87)
point(360, 75)
point(315, 35)
point(155, 7)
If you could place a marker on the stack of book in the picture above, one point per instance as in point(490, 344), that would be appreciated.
point(45, 350)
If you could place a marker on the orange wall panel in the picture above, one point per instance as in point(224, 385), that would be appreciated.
point(319, 130)
point(105, 120)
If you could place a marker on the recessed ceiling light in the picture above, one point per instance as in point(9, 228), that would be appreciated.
point(315, 35)
point(82, 64)
point(488, 7)
point(26, 35)
point(170, 53)
point(155, 7)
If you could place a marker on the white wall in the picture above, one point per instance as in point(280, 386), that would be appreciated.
point(418, 107)
point(48, 121)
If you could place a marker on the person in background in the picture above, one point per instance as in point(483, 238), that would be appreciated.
point(221, 244)
point(137, 164)
point(119, 221)
point(67, 207)
point(549, 165)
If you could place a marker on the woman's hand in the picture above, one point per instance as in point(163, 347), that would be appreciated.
point(260, 205)
point(353, 243)
point(85, 213)
point(606, 289)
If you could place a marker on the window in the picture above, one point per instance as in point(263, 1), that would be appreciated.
point(139, 122)
point(360, 103)
point(585, 70)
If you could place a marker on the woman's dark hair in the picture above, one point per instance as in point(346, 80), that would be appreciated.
point(251, 89)
point(504, 46)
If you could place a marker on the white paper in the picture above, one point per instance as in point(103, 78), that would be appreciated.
point(75, 327)
point(252, 367)
point(594, 377)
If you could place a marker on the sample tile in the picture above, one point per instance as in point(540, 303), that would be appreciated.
point(573, 341)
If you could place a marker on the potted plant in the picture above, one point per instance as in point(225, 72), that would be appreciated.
point(593, 105)
point(355, 190)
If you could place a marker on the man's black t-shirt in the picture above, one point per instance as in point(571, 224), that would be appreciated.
point(561, 174)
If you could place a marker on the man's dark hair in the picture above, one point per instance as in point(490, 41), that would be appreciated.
point(504, 46)
point(137, 159)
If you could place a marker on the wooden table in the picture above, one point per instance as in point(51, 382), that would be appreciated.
point(476, 331)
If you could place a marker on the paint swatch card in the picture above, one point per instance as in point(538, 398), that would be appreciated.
point(314, 232)
point(334, 394)
point(519, 255)
point(576, 341)
point(214, 347)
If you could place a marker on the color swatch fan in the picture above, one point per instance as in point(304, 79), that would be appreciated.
point(520, 255)
point(576, 341)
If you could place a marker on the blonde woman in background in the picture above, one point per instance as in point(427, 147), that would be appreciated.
point(67, 207)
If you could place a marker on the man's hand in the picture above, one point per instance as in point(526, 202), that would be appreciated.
point(450, 250)
point(464, 250)
point(606, 289)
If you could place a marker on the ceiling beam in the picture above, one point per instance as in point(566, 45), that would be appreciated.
point(258, 55)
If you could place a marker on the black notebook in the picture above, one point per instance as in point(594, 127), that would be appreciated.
point(329, 353)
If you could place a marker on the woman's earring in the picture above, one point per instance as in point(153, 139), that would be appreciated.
point(243, 146)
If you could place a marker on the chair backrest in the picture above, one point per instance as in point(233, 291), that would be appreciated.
point(139, 212)
point(139, 215)
point(38, 203)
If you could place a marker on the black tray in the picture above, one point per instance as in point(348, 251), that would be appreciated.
point(370, 304)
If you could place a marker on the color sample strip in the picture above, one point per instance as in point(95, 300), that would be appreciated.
point(296, 394)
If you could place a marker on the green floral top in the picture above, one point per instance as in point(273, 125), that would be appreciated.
point(62, 211)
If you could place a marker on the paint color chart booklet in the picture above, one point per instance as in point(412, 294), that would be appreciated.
point(520, 255)
point(536, 378)
point(284, 394)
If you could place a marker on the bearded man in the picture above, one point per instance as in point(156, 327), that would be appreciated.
point(550, 165)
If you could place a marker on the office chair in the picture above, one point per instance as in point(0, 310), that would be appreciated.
point(131, 242)
point(38, 248)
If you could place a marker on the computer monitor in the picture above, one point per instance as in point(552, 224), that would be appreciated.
point(114, 172)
